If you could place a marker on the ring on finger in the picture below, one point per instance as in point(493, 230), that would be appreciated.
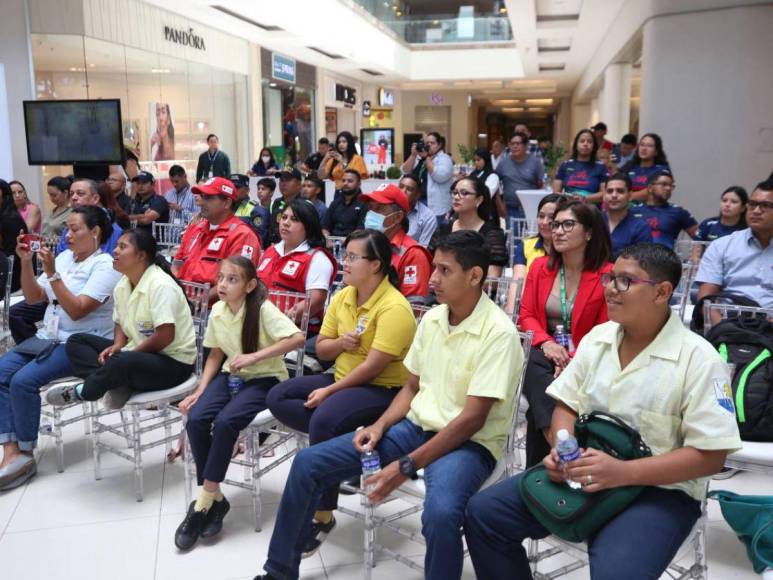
point(589, 479)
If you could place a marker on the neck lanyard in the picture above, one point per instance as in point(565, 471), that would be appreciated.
point(566, 311)
point(212, 157)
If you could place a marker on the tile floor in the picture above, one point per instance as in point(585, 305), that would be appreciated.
point(65, 526)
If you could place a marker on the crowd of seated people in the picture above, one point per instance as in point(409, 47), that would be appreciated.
point(599, 274)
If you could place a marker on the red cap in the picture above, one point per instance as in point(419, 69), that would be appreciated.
point(387, 193)
point(216, 186)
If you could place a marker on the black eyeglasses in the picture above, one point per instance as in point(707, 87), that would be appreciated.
point(763, 205)
point(622, 282)
point(566, 225)
point(462, 193)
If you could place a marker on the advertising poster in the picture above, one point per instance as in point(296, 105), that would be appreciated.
point(161, 132)
point(377, 146)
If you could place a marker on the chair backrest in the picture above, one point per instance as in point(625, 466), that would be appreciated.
point(168, 236)
point(682, 292)
point(419, 310)
point(713, 313)
point(285, 300)
point(500, 290)
point(7, 294)
point(512, 437)
point(336, 246)
point(690, 250)
point(198, 296)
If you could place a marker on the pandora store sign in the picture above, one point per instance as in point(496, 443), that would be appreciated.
point(184, 37)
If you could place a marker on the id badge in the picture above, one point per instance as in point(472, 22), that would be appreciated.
point(52, 327)
point(210, 174)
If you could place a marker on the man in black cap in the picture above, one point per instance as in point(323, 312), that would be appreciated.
point(290, 188)
point(147, 207)
point(244, 205)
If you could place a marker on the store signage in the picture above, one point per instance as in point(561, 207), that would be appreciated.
point(346, 94)
point(283, 68)
point(184, 37)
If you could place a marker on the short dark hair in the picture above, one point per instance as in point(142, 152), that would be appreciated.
point(522, 136)
point(655, 175)
point(61, 183)
point(212, 135)
point(177, 171)
point(324, 141)
point(620, 176)
point(94, 216)
point(469, 248)
point(661, 263)
point(441, 141)
point(268, 183)
point(599, 249)
point(316, 181)
point(629, 139)
point(766, 185)
point(353, 172)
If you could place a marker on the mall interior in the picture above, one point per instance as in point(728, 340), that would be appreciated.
point(283, 75)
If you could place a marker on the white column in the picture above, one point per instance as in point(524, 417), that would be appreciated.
point(615, 100)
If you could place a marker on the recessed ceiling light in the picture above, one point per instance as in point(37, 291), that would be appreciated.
point(539, 101)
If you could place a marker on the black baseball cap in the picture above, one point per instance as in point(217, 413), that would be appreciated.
point(290, 174)
point(144, 177)
point(239, 180)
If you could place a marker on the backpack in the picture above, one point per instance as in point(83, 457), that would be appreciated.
point(747, 342)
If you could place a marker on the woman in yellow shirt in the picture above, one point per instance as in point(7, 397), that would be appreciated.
point(248, 337)
point(154, 343)
point(368, 329)
point(344, 156)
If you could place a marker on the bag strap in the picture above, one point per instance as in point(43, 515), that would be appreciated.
point(755, 544)
point(583, 420)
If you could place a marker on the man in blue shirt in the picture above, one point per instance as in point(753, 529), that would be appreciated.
point(624, 229)
point(742, 263)
point(665, 219)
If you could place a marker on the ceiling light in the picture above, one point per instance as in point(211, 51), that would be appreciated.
point(505, 102)
point(482, 135)
point(539, 101)
point(399, 13)
point(513, 109)
point(503, 10)
point(272, 85)
point(77, 69)
point(160, 70)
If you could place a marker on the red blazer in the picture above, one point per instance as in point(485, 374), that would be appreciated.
point(589, 309)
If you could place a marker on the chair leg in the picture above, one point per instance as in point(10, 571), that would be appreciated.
point(166, 414)
point(86, 415)
point(138, 483)
point(250, 455)
point(59, 442)
point(187, 461)
point(370, 537)
point(253, 454)
point(95, 441)
point(127, 429)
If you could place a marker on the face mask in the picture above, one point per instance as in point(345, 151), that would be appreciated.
point(266, 159)
point(374, 221)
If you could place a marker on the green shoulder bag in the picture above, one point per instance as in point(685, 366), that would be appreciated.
point(572, 514)
point(751, 517)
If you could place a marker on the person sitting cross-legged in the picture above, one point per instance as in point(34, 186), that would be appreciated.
point(451, 418)
point(659, 378)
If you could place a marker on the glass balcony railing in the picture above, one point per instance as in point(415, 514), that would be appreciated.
point(439, 29)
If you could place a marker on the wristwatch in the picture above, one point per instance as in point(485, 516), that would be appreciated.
point(407, 466)
point(54, 277)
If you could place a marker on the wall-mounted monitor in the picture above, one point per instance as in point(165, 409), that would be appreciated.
point(377, 146)
point(73, 131)
point(386, 98)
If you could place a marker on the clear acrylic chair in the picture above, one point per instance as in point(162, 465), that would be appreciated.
point(413, 491)
point(681, 295)
point(53, 418)
point(5, 313)
point(151, 411)
point(282, 438)
point(168, 236)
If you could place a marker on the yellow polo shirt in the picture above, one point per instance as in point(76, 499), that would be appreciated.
point(389, 327)
point(224, 331)
point(675, 392)
point(481, 357)
point(156, 300)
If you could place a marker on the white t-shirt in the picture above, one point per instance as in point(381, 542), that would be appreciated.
point(320, 270)
point(492, 182)
point(95, 278)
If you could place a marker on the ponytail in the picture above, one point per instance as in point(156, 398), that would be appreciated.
point(393, 277)
point(252, 304)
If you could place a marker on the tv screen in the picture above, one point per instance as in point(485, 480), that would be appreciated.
point(377, 146)
point(73, 131)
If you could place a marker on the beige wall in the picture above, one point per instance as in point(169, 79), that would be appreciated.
point(463, 126)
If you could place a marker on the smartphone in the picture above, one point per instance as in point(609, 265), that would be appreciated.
point(33, 241)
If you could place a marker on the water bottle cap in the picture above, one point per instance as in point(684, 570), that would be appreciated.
point(562, 434)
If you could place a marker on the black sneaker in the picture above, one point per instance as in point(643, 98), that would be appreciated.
point(214, 522)
point(319, 532)
point(264, 577)
point(189, 531)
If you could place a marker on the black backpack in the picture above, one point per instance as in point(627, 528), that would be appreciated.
point(747, 342)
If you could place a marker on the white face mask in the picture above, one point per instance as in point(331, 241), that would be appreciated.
point(266, 159)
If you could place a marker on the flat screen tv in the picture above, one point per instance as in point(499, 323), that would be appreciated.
point(73, 131)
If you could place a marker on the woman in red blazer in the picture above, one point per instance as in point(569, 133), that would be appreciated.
point(561, 289)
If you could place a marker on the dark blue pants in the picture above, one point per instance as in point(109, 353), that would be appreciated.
point(340, 413)
point(639, 543)
point(450, 482)
point(215, 421)
point(22, 318)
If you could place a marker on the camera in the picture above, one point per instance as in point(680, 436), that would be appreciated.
point(420, 147)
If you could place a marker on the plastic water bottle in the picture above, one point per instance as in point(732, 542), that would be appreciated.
point(568, 450)
point(371, 463)
point(235, 384)
point(564, 338)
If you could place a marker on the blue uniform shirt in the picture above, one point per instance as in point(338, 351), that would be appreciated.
point(582, 177)
point(640, 175)
point(631, 230)
point(712, 229)
point(665, 221)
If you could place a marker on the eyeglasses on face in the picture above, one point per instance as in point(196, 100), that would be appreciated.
point(753, 204)
point(351, 257)
point(622, 282)
point(461, 193)
point(566, 225)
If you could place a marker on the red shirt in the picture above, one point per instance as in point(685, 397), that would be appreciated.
point(589, 309)
point(202, 249)
point(413, 263)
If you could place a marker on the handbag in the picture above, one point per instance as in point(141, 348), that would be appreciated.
point(572, 514)
point(751, 517)
point(40, 348)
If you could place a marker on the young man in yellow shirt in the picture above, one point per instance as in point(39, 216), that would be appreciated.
point(451, 418)
point(668, 383)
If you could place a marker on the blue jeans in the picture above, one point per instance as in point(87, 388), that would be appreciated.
point(450, 481)
point(638, 543)
point(21, 377)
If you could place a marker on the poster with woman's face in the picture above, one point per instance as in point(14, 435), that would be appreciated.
point(161, 132)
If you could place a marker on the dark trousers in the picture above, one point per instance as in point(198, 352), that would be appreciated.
point(22, 318)
point(342, 412)
point(139, 371)
point(539, 375)
point(636, 544)
point(215, 421)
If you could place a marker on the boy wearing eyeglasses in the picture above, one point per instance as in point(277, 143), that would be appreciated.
point(663, 380)
point(742, 263)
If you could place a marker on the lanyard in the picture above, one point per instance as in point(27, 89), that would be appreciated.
point(212, 158)
point(566, 312)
